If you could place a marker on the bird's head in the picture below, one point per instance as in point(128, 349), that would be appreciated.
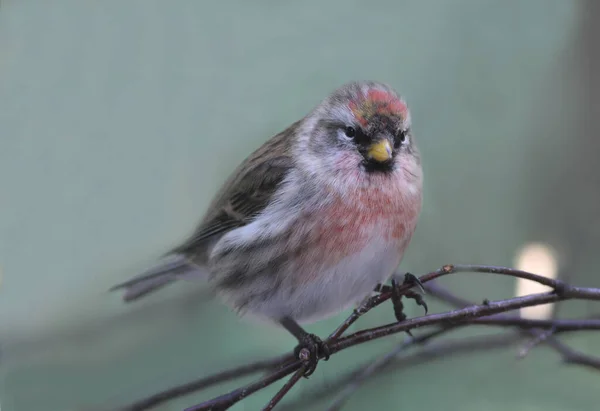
point(362, 128)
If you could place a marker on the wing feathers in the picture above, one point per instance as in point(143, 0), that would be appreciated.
point(247, 193)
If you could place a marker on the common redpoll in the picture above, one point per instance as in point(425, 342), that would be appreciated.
point(313, 220)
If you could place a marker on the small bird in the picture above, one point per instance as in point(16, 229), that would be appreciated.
point(313, 220)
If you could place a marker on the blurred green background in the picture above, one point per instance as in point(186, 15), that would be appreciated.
point(120, 119)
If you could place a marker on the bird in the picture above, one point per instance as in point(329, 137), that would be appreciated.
point(312, 221)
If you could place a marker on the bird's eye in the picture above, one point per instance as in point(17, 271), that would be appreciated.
point(350, 131)
point(400, 138)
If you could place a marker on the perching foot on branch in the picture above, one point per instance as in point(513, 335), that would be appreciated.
point(409, 279)
point(309, 348)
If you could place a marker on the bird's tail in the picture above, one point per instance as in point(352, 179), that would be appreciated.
point(172, 268)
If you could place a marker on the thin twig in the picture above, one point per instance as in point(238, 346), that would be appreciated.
point(539, 337)
point(205, 382)
point(490, 269)
point(285, 389)
point(357, 313)
point(227, 400)
point(526, 323)
point(569, 355)
point(380, 363)
point(451, 317)
point(432, 352)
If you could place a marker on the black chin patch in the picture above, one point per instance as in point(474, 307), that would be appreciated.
point(372, 166)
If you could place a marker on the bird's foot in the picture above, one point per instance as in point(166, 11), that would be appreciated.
point(409, 279)
point(309, 350)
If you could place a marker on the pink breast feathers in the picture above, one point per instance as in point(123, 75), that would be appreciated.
point(347, 226)
point(378, 102)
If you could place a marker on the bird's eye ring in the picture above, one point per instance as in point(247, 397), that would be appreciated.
point(350, 131)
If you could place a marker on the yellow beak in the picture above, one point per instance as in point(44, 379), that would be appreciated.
point(380, 151)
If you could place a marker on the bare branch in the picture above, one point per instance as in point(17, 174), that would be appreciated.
point(402, 363)
point(569, 355)
point(205, 382)
point(539, 337)
point(285, 389)
point(487, 313)
point(365, 307)
point(464, 314)
point(526, 325)
point(227, 400)
point(382, 362)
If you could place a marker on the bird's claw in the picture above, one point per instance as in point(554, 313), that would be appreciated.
point(309, 350)
point(418, 299)
point(409, 279)
point(397, 302)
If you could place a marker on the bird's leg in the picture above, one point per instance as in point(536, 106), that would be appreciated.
point(396, 298)
point(309, 348)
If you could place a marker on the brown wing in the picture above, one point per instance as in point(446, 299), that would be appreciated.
point(247, 192)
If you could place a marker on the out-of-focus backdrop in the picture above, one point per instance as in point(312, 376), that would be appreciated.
point(119, 120)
